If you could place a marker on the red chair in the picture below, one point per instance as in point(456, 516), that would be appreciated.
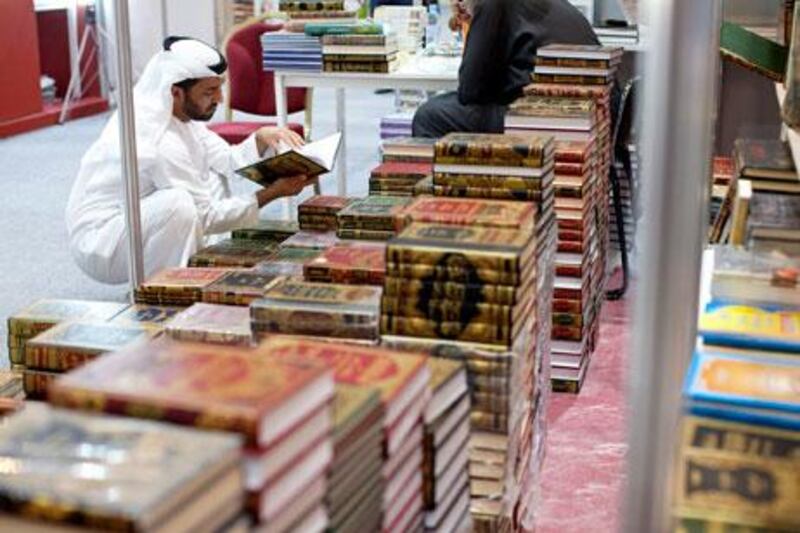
point(251, 89)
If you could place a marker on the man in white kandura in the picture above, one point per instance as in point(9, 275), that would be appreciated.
point(183, 169)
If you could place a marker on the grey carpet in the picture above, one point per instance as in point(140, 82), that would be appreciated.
point(37, 170)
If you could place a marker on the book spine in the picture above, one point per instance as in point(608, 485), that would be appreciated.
point(448, 310)
point(572, 62)
point(574, 225)
point(494, 422)
point(371, 223)
point(363, 234)
point(36, 384)
point(567, 333)
point(569, 294)
point(311, 5)
point(319, 323)
point(352, 66)
point(408, 254)
point(525, 195)
point(565, 385)
point(567, 306)
point(405, 177)
point(487, 182)
point(458, 152)
point(472, 332)
point(570, 169)
point(571, 271)
point(492, 403)
point(57, 359)
point(571, 247)
point(573, 235)
point(574, 191)
point(494, 294)
point(458, 274)
point(346, 276)
point(354, 40)
point(497, 158)
point(223, 420)
point(758, 492)
point(576, 79)
point(570, 157)
point(574, 320)
point(347, 59)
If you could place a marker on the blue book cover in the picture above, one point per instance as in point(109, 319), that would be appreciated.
point(753, 327)
point(755, 389)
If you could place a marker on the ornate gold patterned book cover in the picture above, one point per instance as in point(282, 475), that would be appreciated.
point(45, 313)
point(485, 148)
point(139, 468)
point(220, 324)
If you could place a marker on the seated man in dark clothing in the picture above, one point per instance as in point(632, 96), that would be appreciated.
point(499, 57)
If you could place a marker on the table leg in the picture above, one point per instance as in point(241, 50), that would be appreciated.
point(282, 115)
point(341, 125)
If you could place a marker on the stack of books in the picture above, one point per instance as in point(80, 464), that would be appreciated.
point(237, 288)
point(44, 314)
point(350, 263)
point(403, 381)
point(312, 240)
point(502, 167)
point(211, 323)
point(354, 498)
point(397, 179)
point(360, 53)
point(473, 283)
point(722, 171)
point(296, 307)
point(177, 286)
point(318, 213)
point(408, 22)
point(244, 253)
point(408, 150)
point(274, 231)
point(396, 125)
point(773, 223)
point(371, 218)
point(77, 471)
point(280, 405)
point(287, 261)
point(304, 12)
point(153, 317)
point(285, 50)
point(618, 35)
point(737, 465)
point(579, 205)
point(446, 458)
point(70, 345)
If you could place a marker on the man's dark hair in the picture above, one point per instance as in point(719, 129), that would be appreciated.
point(187, 84)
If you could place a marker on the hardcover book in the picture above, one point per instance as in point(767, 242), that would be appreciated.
point(324, 205)
point(141, 473)
point(349, 264)
point(751, 327)
point(396, 287)
point(182, 278)
point(377, 212)
point(248, 391)
point(756, 389)
point(402, 378)
point(317, 240)
point(46, 313)
point(287, 262)
point(416, 171)
point(579, 51)
point(764, 159)
point(268, 230)
point(238, 288)
point(466, 212)
point(573, 151)
point(753, 51)
point(551, 113)
point(233, 253)
point(311, 160)
point(512, 150)
point(219, 324)
point(774, 216)
point(745, 440)
point(146, 315)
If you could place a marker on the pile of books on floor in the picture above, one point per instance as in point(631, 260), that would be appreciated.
point(318, 213)
point(579, 269)
point(471, 280)
point(325, 310)
point(360, 53)
point(352, 263)
point(397, 178)
point(211, 323)
point(371, 218)
point(407, 150)
point(403, 380)
point(396, 124)
point(738, 467)
point(408, 22)
point(281, 409)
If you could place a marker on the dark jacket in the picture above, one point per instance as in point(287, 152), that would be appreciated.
point(501, 46)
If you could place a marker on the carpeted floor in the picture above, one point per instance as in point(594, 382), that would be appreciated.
point(37, 170)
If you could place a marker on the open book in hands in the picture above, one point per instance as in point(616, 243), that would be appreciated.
point(311, 160)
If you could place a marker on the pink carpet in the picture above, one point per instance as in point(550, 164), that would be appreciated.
point(583, 478)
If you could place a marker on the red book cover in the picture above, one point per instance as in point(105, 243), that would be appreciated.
point(391, 169)
point(324, 204)
point(185, 277)
point(572, 169)
point(393, 373)
point(722, 170)
point(471, 212)
point(242, 390)
point(573, 151)
point(345, 261)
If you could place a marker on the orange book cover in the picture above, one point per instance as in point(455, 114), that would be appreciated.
point(393, 373)
point(234, 389)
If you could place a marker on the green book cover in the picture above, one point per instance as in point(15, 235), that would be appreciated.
point(753, 51)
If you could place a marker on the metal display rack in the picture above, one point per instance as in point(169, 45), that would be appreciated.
point(679, 112)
